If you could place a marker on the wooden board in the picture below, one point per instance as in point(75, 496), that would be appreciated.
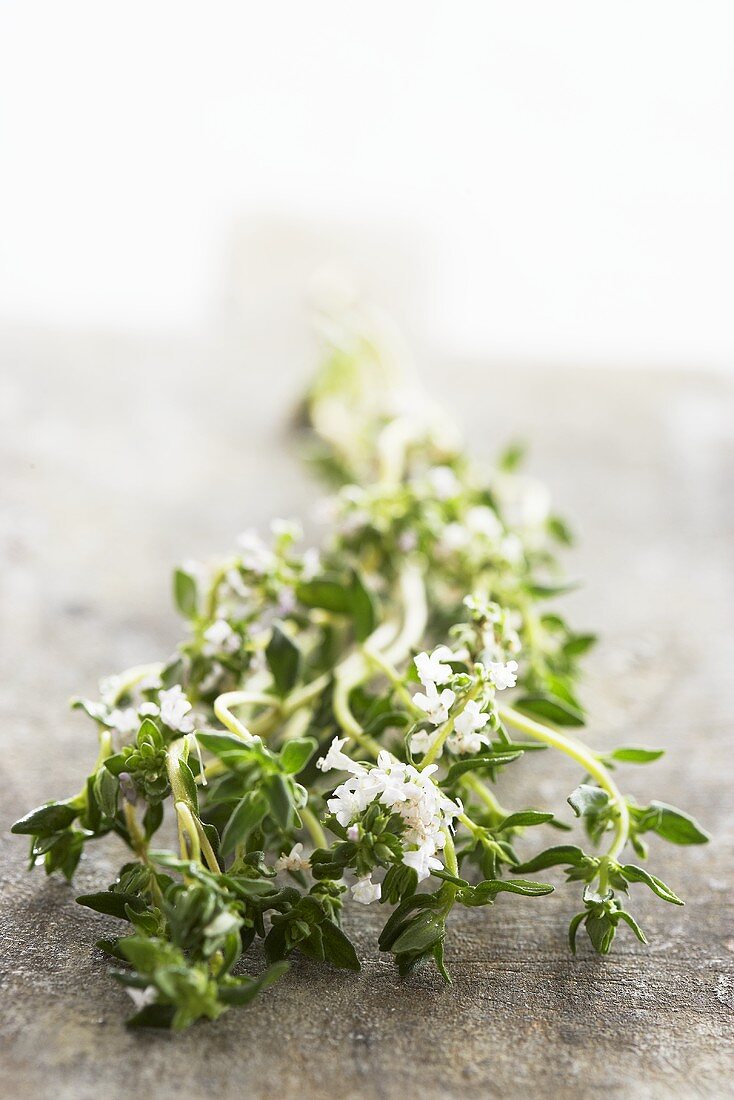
point(121, 457)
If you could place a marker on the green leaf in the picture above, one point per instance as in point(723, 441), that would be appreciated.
point(549, 707)
point(364, 608)
point(524, 818)
point(547, 591)
point(676, 826)
point(440, 964)
point(588, 800)
point(578, 644)
point(338, 948)
point(278, 792)
point(185, 593)
point(189, 783)
point(46, 820)
point(229, 748)
point(296, 753)
point(112, 903)
point(245, 817)
point(529, 889)
point(244, 989)
point(327, 593)
point(635, 754)
point(638, 874)
point(630, 920)
point(567, 855)
point(484, 760)
point(424, 931)
point(512, 457)
point(600, 929)
point(560, 530)
point(106, 788)
point(284, 660)
point(573, 929)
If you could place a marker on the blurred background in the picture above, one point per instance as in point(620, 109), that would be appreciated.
point(528, 183)
point(540, 196)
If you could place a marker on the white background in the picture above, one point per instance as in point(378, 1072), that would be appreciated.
point(540, 181)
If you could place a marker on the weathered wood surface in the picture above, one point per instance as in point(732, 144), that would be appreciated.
point(118, 459)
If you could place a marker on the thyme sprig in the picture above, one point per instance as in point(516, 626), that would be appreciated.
point(335, 722)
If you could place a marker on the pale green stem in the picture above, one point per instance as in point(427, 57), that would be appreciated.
point(313, 825)
point(223, 703)
point(305, 694)
point(187, 829)
point(446, 730)
point(219, 575)
point(349, 674)
point(415, 614)
point(188, 823)
point(389, 670)
point(583, 756)
point(482, 791)
point(449, 851)
point(392, 443)
point(133, 676)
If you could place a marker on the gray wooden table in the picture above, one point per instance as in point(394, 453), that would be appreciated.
point(119, 458)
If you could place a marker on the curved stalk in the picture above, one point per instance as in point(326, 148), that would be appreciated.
point(583, 756)
point(349, 675)
point(415, 614)
point(223, 703)
point(187, 831)
point(313, 825)
point(131, 677)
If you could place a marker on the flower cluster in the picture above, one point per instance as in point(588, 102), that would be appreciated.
point(468, 723)
point(413, 795)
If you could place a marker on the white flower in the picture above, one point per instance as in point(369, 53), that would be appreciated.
point(481, 520)
point(254, 554)
point(150, 683)
point(353, 833)
point(366, 891)
point(348, 801)
point(141, 997)
point(222, 637)
point(444, 482)
point(526, 503)
point(123, 721)
point(423, 860)
point(512, 548)
point(310, 564)
point(503, 675)
point(429, 666)
point(175, 709)
point(286, 602)
point(435, 706)
point(336, 760)
point(353, 522)
point(466, 737)
point(412, 794)
point(407, 541)
point(148, 710)
point(421, 741)
point(471, 719)
point(453, 537)
point(294, 861)
point(289, 530)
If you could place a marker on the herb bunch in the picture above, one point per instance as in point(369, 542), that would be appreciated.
point(334, 723)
